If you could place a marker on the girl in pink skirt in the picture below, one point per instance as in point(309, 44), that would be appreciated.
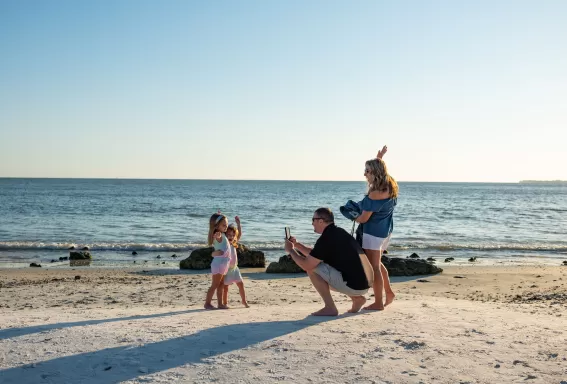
point(233, 234)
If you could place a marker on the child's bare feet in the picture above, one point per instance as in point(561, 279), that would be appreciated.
point(209, 306)
point(389, 298)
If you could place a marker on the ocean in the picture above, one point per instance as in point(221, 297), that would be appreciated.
point(41, 218)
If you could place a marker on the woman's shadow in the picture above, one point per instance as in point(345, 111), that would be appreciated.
point(113, 365)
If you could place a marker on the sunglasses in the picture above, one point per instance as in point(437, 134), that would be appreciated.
point(316, 218)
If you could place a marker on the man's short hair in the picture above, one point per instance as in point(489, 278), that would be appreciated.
point(326, 214)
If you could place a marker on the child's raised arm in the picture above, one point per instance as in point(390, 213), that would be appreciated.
point(237, 219)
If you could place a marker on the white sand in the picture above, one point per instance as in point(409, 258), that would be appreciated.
point(126, 327)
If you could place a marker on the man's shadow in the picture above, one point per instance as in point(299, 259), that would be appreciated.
point(126, 361)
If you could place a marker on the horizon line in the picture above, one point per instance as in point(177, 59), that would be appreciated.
point(301, 180)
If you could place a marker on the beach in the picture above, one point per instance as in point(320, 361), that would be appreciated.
point(469, 324)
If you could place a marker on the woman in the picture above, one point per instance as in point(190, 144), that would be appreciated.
point(377, 216)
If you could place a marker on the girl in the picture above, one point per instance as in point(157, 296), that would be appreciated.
point(218, 224)
point(233, 234)
point(377, 216)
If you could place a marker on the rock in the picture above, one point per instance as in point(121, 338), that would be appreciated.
point(449, 259)
point(71, 247)
point(413, 256)
point(63, 258)
point(77, 277)
point(174, 255)
point(85, 249)
point(201, 258)
point(422, 281)
point(158, 257)
point(36, 265)
point(134, 253)
point(408, 267)
point(163, 262)
point(53, 260)
point(459, 277)
point(284, 265)
point(430, 259)
point(472, 259)
point(564, 262)
point(80, 255)
point(385, 252)
point(497, 366)
point(108, 368)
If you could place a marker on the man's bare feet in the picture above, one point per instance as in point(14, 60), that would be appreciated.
point(389, 298)
point(223, 306)
point(245, 304)
point(357, 303)
point(326, 312)
point(375, 307)
point(209, 306)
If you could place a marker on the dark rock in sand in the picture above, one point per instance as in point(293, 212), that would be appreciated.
point(35, 265)
point(409, 267)
point(564, 262)
point(413, 256)
point(53, 260)
point(163, 262)
point(201, 258)
point(72, 247)
point(63, 258)
point(449, 259)
point(284, 265)
point(134, 253)
point(472, 259)
point(430, 259)
point(85, 249)
point(174, 255)
point(77, 277)
point(80, 255)
point(158, 257)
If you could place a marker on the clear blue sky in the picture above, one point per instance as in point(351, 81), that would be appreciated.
point(459, 90)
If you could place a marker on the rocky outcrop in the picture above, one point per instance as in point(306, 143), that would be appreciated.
point(409, 267)
point(284, 265)
point(201, 258)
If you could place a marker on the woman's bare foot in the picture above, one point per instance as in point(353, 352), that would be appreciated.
point(245, 304)
point(326, 312)
point(389, 298)
point(223, 306)
point(375, 307)
point(357, 303)
point(209, 306)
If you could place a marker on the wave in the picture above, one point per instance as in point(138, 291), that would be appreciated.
point(107, 246)
point(484, 247)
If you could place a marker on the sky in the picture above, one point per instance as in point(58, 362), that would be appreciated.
point(283, 90)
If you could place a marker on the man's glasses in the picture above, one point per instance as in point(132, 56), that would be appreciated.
point(316, 218)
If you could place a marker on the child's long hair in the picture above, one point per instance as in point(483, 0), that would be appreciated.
point(234, 229)
point(214, 222)
point(380, 179)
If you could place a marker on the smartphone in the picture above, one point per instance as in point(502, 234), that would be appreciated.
point(287, 233)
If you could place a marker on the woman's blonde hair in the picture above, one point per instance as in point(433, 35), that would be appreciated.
point(380, 179)
point(214, 222)
point(234, 229)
